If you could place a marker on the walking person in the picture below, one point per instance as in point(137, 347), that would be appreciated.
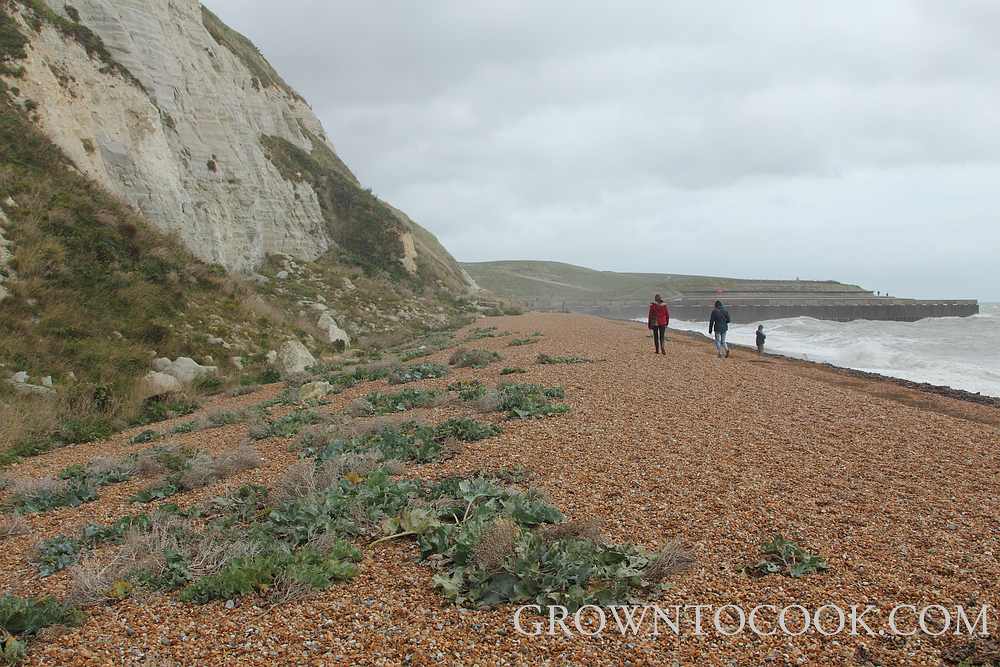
point(761, 337)
point(718, 324)
point(659, 318)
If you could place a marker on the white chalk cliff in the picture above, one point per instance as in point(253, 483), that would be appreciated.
point(187, 134)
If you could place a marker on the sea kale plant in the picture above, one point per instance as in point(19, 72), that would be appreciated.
point(473, 358)
point(781, 556)
point(499, 545)
point(417, 372)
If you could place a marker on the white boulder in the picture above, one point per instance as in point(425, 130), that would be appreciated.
point(20, 377)
point(332, 330)
point(185, 369)
point(158, 384)
point(161, 364)
point(37, 390)
point(293, 357)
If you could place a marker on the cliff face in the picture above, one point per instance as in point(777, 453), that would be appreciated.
point(184, 128)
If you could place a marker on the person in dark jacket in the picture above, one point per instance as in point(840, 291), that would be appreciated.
point(718, 324)
point(659, 318)
point(761, 337)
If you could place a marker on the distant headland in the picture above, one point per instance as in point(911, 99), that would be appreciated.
point(547, 286)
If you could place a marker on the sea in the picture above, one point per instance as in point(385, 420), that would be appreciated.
point(957, 352)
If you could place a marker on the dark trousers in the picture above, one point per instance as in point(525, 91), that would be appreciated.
point(659, 333)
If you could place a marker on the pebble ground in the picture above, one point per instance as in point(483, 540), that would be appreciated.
point(896, 488)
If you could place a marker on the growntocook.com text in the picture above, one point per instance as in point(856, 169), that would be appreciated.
point(903, 620)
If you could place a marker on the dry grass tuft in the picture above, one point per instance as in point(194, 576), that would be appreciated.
point(490, 402)
point(244, 457)
point(13, 525)
point(584, 529)
point(212, 551)
point(496, 544)
point(298, 481)
point(672, 559)
point(359, 407)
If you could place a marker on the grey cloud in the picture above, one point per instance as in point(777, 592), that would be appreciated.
point(850, 140)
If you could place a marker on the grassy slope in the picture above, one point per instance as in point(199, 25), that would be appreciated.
point(99, 289)
point(556, 282)
point(246, 51)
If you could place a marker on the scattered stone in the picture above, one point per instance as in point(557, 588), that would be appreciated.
point(215, 340)
point(237, 362)
point(185, 369)
point(20, 377)
point(158, 384)
point(314, 391)
point(9, 202)
point(34, 389)
point(282, 275)
point(47, 381)
point(333, 331)
point(293, 357)
point(272, 357)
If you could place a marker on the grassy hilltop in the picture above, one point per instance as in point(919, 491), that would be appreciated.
point(555, 282)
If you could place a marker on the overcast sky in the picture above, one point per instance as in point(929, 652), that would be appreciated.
point(851, 140)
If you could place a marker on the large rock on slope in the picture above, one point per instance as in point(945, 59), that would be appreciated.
point(334, 333)
point(293, 357)
point(184, 369)
point(158, 384)
point(181, 136)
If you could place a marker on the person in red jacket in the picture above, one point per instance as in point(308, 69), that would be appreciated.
point(659, 318)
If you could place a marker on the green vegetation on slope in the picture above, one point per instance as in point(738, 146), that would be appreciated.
point(98, 289)
point(363, 226)
point(264, 75)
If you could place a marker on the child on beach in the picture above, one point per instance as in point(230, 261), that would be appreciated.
point(761, 337)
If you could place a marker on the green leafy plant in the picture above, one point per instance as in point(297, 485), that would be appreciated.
point(480, 333)
point(417, 372)
point(493, 550)
point(546, 359)
point(465, 429)
point(528, 401)
point(144, 437)
point(307, 566)
point(62, 493)
point(161, 409)
point(287, 426)
point(468, 390)
point(473, 358)
point(781, 556)
point(406, 399)
point(25, 617)
point(61, 551)
point(517, 342)
point(512, 371)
